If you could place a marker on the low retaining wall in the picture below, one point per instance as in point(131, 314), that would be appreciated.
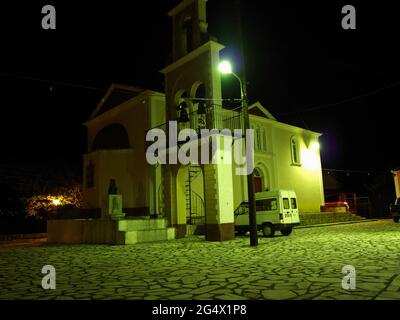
point(96, 231)
point(326, 217)
point(8, 237)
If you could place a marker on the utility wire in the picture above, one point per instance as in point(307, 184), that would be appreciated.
point(353, 171)
point(320, 107)
point(68, 84)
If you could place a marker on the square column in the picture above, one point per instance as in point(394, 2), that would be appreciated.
point(218, 187)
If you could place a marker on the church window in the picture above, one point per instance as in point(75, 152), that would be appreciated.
point(294, 144)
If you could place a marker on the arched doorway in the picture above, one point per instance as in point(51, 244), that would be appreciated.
point(258, 183)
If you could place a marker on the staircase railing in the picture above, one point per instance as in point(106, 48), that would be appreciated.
point(196, 213)
point(195, 210)
point(243, 208)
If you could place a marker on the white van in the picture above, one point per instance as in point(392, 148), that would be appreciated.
point(276, 210)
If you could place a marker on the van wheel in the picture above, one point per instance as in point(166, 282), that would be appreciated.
point(286, 231)
point(268, 230)
point(396, 219)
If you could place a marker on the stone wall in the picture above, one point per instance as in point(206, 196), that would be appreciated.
point(327, 217)
point(9, 237)
point(97, 231)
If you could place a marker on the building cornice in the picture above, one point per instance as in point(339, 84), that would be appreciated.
point(143, 96)
point(209, 46)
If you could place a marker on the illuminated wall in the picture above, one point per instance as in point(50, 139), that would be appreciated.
point(274, 162)
point(136, 180)
point(396, 176)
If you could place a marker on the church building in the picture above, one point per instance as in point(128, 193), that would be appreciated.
point(166, 201)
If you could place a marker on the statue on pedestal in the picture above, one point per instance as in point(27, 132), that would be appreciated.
point(114, 201)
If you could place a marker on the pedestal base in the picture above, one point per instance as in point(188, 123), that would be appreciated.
point(220, 232)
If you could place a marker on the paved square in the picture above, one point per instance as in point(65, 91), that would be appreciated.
point(306, 265)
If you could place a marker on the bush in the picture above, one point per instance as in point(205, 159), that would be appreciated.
point(66, 201)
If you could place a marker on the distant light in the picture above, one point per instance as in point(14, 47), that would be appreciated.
point(56, 202)
point(225, 67)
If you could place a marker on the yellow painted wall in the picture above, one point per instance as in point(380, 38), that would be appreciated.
point(304, 179)
point(118, 165)
point(275, 164)
point(181, 195)
point(397, 183)
point(128, 167)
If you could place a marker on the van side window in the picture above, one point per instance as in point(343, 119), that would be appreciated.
point(267, 204)
point(293, 203)
point(286, 203)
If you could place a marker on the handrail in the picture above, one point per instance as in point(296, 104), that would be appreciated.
point(234, 115)
point(241, 209)
point(199, 213)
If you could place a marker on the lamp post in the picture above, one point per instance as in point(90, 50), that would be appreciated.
point(226, 68)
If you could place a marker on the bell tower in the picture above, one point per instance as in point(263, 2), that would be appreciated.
point(193, 72)
point(193, 97)
point(189, 27)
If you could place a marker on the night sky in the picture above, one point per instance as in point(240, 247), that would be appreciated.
point(300, 63)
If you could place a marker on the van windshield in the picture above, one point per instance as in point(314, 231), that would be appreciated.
point(267, 204)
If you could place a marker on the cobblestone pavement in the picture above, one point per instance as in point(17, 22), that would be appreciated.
point(306, 265)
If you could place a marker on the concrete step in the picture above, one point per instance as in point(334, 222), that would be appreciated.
point(139, 236)
point(141, 224)
point(312, 218)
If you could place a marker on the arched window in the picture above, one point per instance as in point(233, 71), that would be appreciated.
point(182, 110)
point(258, 139)
point(295, 150)
point(113, 136)
point(264, 140)
point(199, 117)
point(188, 34)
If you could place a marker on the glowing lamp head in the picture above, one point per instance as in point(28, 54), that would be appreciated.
point(56, 202)
point(225, 67)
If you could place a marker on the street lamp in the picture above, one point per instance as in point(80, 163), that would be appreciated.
point(225, 67)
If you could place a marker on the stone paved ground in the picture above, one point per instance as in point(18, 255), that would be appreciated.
point(305, 265)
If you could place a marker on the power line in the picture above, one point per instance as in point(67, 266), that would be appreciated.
point(320, 107)
point(353, 171)
point(69, 84)
point(66, 84)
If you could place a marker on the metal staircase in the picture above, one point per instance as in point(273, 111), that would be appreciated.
point(195, 210)
point(243, 208)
